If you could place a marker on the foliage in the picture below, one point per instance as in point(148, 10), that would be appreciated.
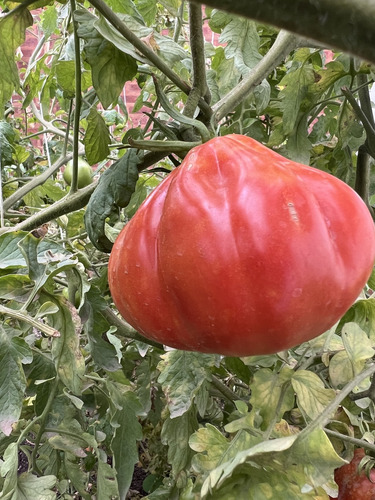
point(84, 399)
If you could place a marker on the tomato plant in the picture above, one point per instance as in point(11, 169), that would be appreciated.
point(90, 408)
point(355, 484)
point(84, 173)
point(239, 250)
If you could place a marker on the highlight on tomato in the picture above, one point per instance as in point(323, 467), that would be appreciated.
point(240, 251)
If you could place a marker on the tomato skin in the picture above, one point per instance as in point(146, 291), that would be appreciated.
point(240, 251)
point(353, 485)
point(84, 173)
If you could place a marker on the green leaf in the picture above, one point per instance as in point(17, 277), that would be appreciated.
point(172, 6)
point(48, 17)
point(77, 476)
point(37, 488)
point(182, 374)
point(315, 453)
point(12, 35)
point(115, 187)
point(7, 137)
point(165, 46)
point(371, 280)
point(69, 444)
point(176, 433)
point(242, 43)
point(11, 256)
point(325, 77)
point(12, 382)
point(103, 353)
point(96, 138)
point(110, 67)
point(357, 345)
point(124, 445)
point(312, 396)
point(345, 365)
point(227, 74)
point(148, 9)
point(294, 89)
point(210, 445)
point(145, 184)
point(15, 287)
point(266, 390)
point(298, 145)
point(124, 7)
point(259, 451)
point(350, 131)
point(107, 482)
point(362, 312)
point(8, 468)
point(340, 369)
point(66, 353)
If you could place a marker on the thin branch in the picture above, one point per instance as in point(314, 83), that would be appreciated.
point(125, 330)
point(24, 317)
point(49, 125)
point(178, 22)
point(326, 414)
point(360, 443)
point(224, 390)
point(197, 51)
point(77, 101)
point(67, 204)
point(348, 26)
point(36, 181)
point(283, 45)
point(362, 177)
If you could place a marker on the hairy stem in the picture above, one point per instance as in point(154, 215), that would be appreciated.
point(78, 101)
point(346, 25)
point(362, 177)
point(197, 51)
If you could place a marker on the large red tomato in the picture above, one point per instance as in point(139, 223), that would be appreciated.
point(240, 251)
point(354, 484)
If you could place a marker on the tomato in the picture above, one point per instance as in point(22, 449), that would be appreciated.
point(84, 173)
point(354, 484)
point(240, 251)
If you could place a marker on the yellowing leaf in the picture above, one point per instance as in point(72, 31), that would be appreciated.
point(312, 396)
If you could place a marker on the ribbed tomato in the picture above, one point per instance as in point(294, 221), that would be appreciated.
point(240, 251)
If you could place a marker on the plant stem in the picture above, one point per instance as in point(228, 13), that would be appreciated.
point(43, 418)
point(197, 52)
point(348, 26)
point(224, 390)
point(67, 204)
point(36, 181)
point(179, 21)
point(362, 177)
point(324, 418)
point(283, 45)
point(360, 443)
point(154, 59)
point(22, 316)
point(125, 330)
point(78, 101)
point(166, 146)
